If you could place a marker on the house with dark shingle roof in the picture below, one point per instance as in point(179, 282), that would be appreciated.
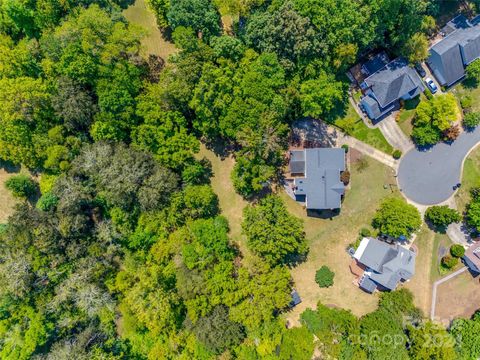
point(461, 45)
point(386, 265)
point(384, 88)
point(317, 177)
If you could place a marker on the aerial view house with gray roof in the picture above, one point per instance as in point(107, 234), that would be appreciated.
point(384, 88)
point(385, 265)
point(316, 177)
point(461, 45)
point(472, 258)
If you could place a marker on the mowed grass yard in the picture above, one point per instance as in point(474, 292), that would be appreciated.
point(154, 42)
point(329, 239)
point(470, 179)
point(458, 297)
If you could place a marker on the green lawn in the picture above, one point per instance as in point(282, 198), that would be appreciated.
point(329, 238)
point(407, 113)
point(154, 42)
point(470, 179)
point(354, 126)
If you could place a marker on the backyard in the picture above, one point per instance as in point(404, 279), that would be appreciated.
point(329, 239)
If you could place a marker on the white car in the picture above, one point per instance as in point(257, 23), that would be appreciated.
point(431, 85)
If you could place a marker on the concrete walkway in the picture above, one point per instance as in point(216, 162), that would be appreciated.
point(369, 151)
point(434, 289)
point(394, 135)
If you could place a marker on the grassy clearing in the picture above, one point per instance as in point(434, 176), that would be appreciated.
point(470, 179)
point(7, 201)
point(231, 204)
point(354, 126)
point(329, 238)
point(154, 42)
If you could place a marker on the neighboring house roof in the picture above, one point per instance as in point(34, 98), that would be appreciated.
point(459, 48)
point(387, 264)
point(321, 182)
point(472, 257)
point(393, 81)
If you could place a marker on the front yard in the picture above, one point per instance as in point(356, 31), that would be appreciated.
point(353, 125)
point(470, 179)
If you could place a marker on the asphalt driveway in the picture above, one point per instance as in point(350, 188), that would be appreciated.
point(427, 177)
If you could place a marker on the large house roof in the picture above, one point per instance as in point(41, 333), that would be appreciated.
point(321, 182)
point(387, 264)
point(393, 81)
point(459, 48)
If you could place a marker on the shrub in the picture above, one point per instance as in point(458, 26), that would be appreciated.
point(457, 250)
point(452, 132)
point(473, 72)
point(47, 202)
point(471, 120)
point(466, 102)
point(449, 262)
point(21, 186)
point(428, 94)
point(365, 232)
point(397, 154)
point(345, 177)
point(345, 147)
point(324, 277)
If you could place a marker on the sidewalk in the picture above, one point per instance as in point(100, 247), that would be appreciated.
point(369, 151)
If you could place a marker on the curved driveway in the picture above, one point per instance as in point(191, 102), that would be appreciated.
point(427, 177)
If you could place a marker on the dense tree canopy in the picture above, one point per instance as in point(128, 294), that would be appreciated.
point(125, 254)
point(272, 232)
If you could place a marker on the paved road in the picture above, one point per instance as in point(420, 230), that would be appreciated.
point(428, 177)
point(434, 289)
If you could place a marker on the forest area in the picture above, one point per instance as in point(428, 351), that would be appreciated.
point(117, 248)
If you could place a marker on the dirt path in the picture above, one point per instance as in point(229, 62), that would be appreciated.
point(7, 201)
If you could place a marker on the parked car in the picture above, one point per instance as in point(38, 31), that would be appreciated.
point(421, 71)
point(431, 85)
